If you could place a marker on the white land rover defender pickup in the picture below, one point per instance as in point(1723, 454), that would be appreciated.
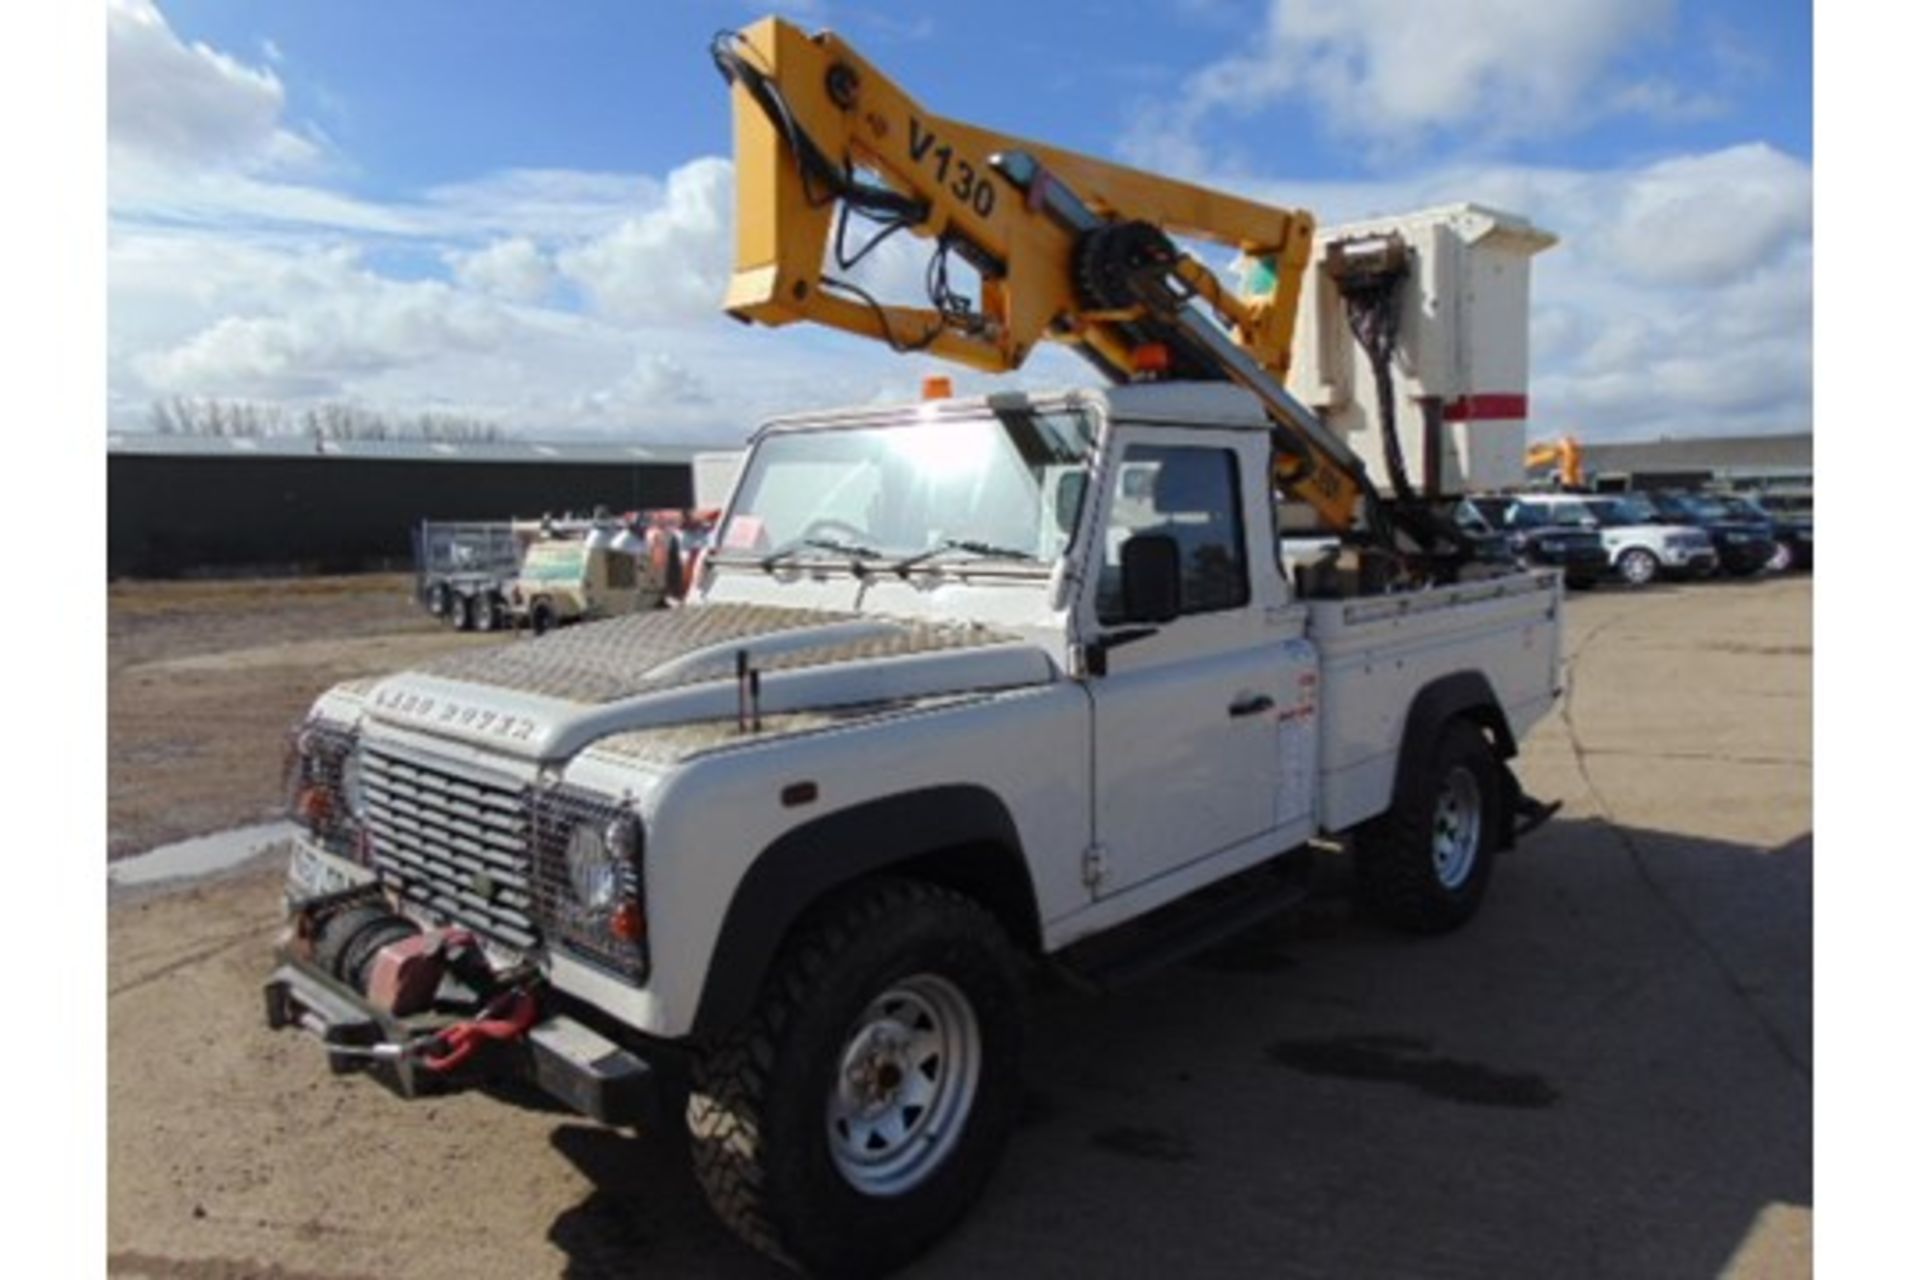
point(962, 686)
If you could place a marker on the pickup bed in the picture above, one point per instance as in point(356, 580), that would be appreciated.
point(958, 683)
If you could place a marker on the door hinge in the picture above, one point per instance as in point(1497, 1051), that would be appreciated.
point(1093, 866)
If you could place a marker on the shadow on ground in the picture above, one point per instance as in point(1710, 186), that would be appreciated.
point(1607, 1074)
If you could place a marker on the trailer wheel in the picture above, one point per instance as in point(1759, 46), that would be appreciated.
point(486, 616)
point(465, 614)
point(1423, 866)
point(440, 601)
point(859, 1110)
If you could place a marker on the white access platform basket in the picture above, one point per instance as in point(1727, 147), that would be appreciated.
point(1460, 374)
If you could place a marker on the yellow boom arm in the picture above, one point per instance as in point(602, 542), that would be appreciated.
point(819, 130)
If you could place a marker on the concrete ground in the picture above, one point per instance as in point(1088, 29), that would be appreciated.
point(1607, 1074)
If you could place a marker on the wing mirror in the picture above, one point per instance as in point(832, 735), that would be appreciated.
point(1150, 578)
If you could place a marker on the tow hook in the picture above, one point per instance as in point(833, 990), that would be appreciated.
point(507, 1017)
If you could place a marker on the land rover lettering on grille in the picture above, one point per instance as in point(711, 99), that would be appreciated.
point(428, 709)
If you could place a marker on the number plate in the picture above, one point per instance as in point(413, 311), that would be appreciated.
point(313, 874)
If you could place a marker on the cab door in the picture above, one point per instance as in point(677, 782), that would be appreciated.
point(1185, 744)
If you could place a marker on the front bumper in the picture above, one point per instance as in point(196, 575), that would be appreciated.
point(1745, 557)
point(1577, 563)
point(1698, 562)
point(561, 1055)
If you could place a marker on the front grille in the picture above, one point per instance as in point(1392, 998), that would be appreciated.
point(458, 845)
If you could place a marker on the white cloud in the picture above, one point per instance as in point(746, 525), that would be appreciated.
point(170, 104)
point(588, 302)
point(1708, 219)
point(516, 269)
point(670, 262)
point(335, 321)
point(1393, 73)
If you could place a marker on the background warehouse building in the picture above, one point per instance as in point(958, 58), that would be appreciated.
point(1782, 462)
point(195, 504)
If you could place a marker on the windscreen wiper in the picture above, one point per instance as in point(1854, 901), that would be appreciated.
point(854, 552)
point(970, 545)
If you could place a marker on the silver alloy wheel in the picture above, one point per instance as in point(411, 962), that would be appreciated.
point(1456, 827)
point(1782, 558)
point(1638, 567)
point(904, 1086)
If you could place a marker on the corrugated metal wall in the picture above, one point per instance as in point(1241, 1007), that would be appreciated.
point(172, 515)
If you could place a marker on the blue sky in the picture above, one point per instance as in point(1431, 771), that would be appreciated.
point(522, 211)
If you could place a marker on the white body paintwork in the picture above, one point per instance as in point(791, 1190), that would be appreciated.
point(1145, 763)
point(1463, 340)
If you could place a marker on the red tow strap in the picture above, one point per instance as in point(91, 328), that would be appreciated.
point(508, 1017)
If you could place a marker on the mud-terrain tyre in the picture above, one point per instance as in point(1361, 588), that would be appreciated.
point(1638, 567)
point(854, 1116)
point(1423, 866)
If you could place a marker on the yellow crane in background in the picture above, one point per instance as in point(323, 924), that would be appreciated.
point(1564, 455)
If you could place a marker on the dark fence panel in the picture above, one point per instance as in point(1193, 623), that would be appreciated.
point(168, 516)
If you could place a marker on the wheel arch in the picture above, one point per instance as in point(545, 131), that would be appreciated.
point(1462, 695)
point(962, 837)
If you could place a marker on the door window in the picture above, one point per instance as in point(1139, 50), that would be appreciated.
point(1191, 495)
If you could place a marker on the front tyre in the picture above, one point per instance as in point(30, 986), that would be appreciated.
point(1638, 566)
point(1423, 866)
point(858, 1112)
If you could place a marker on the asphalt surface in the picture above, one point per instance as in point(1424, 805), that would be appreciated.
point(1609, 1073)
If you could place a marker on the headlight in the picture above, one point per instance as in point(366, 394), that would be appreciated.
point(589, 882)
point(591, 866)
point(318, 791)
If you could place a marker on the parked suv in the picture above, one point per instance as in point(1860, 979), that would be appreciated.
point(1789, 524)
point(1745, 545)
point(1571, 546)
point(1642, 547)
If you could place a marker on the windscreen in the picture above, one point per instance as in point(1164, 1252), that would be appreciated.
point(1007, 485)
point(555, 562)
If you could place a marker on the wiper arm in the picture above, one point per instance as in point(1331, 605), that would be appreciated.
point(853, 551)
point(970, 545)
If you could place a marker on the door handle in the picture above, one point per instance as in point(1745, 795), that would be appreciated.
point(1250, 706)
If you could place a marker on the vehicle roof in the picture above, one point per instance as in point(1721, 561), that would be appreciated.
point(1211, 404)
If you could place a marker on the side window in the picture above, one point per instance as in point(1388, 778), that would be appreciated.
point(1191, 495)
point(620, 575)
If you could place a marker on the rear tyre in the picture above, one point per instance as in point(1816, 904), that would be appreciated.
point(1423, 866)
point(1638, 566)
point(540, 618)
point(859, 1110)
point(440, 601)
point(465, 613)
point(486, 615)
